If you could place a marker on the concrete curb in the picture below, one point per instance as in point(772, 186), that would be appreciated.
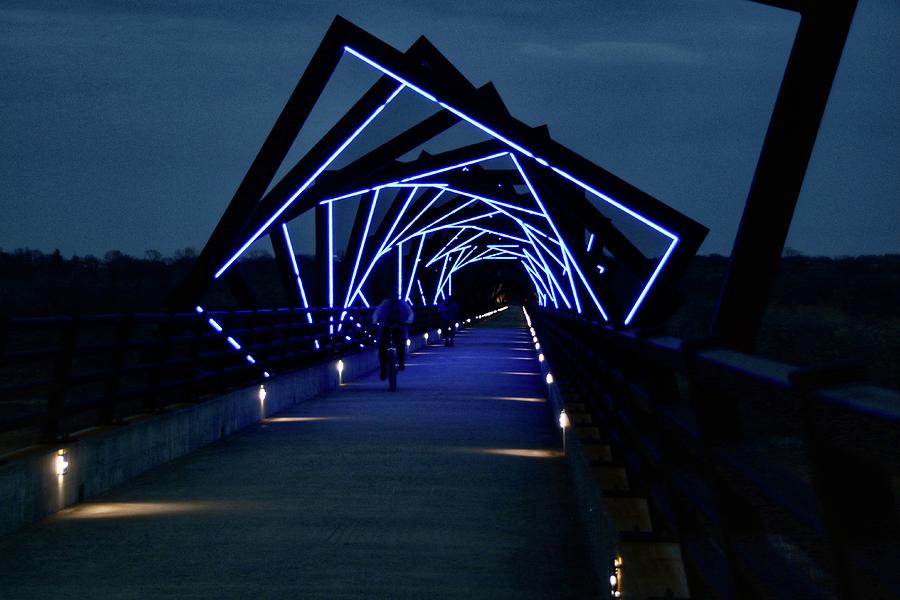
point(102, 457)
point(599, 532)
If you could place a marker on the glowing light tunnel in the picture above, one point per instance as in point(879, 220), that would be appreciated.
point(518, 198)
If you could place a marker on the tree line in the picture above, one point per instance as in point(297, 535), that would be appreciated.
point(822, 310)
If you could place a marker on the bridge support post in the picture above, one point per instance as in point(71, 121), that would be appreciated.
point(323, 256)
point(782, 165)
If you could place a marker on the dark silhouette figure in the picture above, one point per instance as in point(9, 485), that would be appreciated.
point(392, 316)
point(448, 310)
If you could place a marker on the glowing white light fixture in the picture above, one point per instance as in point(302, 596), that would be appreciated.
point(456, 324)
point(549, 378)
point(199, 309)
point(426, 337)
point(262, 393)
point(340, 370)
point(439, 331)
point(266, 374)
point(564, 422)
point(615, 580)
point(541, 357)
point(62, 462)
point(537, 345)
point(408, 342)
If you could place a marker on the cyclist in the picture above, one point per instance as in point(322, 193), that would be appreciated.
point(392, 316)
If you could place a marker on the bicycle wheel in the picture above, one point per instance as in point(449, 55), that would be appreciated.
point(392, 368)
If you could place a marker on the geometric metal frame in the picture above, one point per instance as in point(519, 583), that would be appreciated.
point(558, 180)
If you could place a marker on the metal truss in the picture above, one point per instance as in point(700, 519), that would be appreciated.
point(518, 196)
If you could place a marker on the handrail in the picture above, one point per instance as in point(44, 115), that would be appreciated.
point(61, 374)
point(778, 481)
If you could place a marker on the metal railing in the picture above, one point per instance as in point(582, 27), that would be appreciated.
point(777, 481)
point(59, 375)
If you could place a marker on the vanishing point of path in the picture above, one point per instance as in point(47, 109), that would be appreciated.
point(452, 487)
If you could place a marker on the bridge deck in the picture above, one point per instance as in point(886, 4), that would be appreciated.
point(452, 487)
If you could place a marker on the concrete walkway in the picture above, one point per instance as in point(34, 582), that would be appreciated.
point(452, 487)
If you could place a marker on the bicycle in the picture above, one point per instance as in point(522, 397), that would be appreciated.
point(391, 357)
point(392, 367)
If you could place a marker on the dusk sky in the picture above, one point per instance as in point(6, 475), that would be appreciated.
point(128, 125)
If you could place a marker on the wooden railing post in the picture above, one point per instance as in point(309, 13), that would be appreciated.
point(59, 386)
point(117, 362)
point(161, 354)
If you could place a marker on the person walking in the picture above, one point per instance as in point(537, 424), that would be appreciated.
point(448, 310)
point(392, 317)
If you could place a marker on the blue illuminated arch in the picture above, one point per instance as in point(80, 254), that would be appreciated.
point(563, 270)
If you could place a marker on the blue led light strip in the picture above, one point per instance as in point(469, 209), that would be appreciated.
point(465, 258)
point(463, 254)
point(400, 271)
point(537, 241)
point(385, 243)
point(460, 223)
point(551, 277)
point(438, 220)
point(498, 204)
point(642, 219)
point(458, 233)
point(383, 248)
point(437, 291)
point(566, 254)
point(484, 252)
point(362, 244)
point(421, 292)
point(559, 171)
point(546, 269)
point(498, 233)
point(533, 242)
point(535, 278)
point(653, 277)
point(460, 246)
point(416, 218)
point(451, 252)
point(231, 341)
point(456, 166)
point(345, 196)
point(540, 233)
point(330, 212)
point(389, 73)
point(307, 183)
point(412, 275)
point(290, 249)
